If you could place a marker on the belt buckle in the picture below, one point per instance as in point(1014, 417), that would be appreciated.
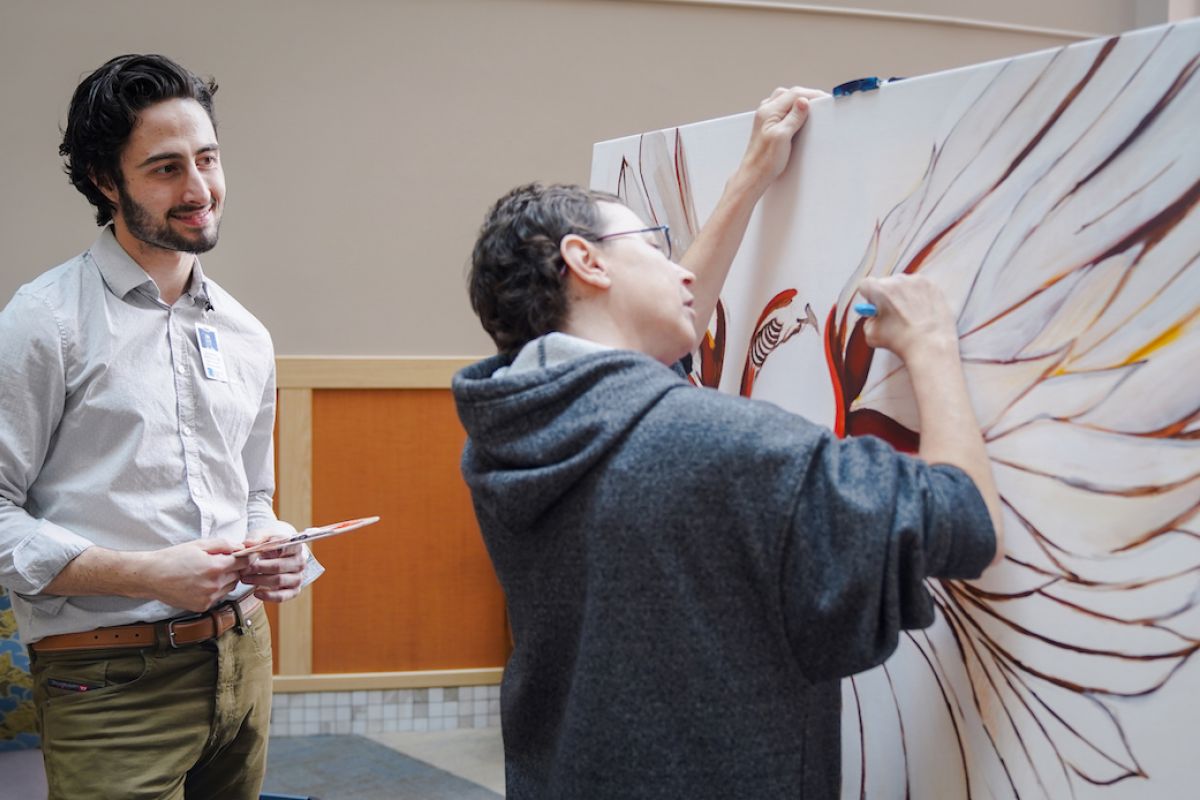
point(171, 633)
point(171, 627)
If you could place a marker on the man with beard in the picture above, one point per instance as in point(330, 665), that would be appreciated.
point(137, 403)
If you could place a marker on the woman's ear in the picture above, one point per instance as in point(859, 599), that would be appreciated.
point(582, 261)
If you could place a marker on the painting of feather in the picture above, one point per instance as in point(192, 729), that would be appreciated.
point(1055, 198)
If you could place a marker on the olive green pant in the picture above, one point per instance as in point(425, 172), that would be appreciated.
point(159, 724)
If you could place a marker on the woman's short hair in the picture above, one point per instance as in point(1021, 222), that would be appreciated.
point(517, 281)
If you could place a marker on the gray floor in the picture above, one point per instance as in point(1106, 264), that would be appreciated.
point(21, 775)
point(335, 767)
point(474, 754)
point(445, 765)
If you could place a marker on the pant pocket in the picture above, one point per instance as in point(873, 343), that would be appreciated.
point(75, 677)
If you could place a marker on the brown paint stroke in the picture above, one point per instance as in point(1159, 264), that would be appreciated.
point(642, 178)
point(998, 666)
point(1124, 88)
point(937, 153)
point(1030, 146)
point(1168, 96)
point(1134, 765)
point(942, 688)
point(1184, 652)
point(1155, 622)
point(1007, 674)
point(1135, 770)
point(858, 355)
point(862, 743)
point(1005, 665)
point(1181, 658)
point(1149, 233)
point(1142, 622)
point(1159, 292)
point(685, 186)
point(1063, 105)
point(1139, 190)
point(955, 624)
point(1149, 490)
point(1054, 580)
point(903, 736)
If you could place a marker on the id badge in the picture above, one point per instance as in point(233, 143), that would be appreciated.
point(210, 353)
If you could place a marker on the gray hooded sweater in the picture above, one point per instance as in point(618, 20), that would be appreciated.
point(689, 575)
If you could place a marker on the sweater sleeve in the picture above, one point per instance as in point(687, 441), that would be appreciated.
point(869, 526)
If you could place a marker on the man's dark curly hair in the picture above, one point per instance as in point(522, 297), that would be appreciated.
point(104, 110)
point(517, 284)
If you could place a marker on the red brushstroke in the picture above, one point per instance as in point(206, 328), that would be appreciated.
point(749, 371)
point(712, 352)
point(869, 422)
point(833, 357)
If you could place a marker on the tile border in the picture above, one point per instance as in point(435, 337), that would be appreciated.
point(372, 711)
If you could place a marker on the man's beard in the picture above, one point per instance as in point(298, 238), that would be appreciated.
point(146, 229)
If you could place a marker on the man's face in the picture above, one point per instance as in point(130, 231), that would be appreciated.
point(172, 188)
point(651, 295)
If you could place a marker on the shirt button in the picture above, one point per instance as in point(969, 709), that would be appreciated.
point(187, 431)
point(182, 369)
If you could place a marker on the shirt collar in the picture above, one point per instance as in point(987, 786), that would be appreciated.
point(198, 286)
point(122, 274)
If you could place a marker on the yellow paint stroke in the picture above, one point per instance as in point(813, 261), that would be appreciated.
point(1165, 338)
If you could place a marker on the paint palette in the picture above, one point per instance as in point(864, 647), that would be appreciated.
point(309, 535)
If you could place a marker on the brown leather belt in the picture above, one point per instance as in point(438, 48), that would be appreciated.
point(178, 632)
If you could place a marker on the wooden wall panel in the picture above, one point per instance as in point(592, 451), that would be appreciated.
point(294, 481)
point(415, 591)
point(273, 608)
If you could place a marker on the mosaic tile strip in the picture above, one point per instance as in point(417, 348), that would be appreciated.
point(385, 711)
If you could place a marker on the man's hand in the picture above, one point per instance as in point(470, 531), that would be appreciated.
point(776, 122)
point(277, 574)
point(194, 575)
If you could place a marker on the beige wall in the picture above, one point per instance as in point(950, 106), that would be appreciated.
point(364, 139)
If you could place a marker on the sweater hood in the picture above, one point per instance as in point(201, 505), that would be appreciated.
point(533, 434)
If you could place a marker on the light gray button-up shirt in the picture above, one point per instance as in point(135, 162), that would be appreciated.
point(110, 433)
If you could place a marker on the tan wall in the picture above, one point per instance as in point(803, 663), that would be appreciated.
point(364, 139)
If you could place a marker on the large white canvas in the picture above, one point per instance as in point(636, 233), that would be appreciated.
point(1056, 200)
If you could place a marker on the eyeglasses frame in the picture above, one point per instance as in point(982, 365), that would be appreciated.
point(666, 230)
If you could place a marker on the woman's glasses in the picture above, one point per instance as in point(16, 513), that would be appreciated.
point(662, 236)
